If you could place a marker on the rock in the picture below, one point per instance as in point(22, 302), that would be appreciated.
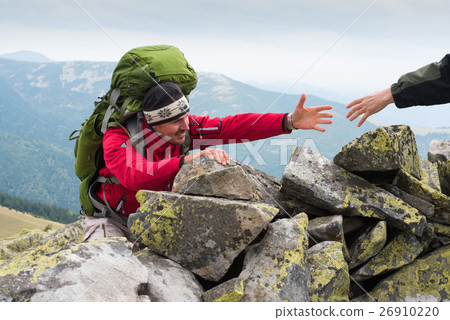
point(168, 281)
point(402, 250)
point(102, 270)
point(439, 150)
point(19, 243)
point(426, 208)
point(368, 244)
point(229, 291)
point(321, 183)
point(202, 234)
point(380, 150)
point(424, 280)
point(430, 175)
point(328, 229)
point(277, 269)
point(208, 178)
point(442, 230)
point(444, 176)
point(330, 281)
point(418, 188)
point(235, 181)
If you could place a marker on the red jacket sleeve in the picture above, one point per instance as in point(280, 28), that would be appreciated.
point(132, 170)
point(238, 128)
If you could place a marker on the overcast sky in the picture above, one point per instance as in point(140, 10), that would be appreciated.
point(350, 47)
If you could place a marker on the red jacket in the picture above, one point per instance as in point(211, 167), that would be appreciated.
point(164, 159)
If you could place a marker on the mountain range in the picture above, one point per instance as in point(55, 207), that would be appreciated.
point(43, 102)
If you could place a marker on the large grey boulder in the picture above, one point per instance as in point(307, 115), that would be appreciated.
point(426, 280)
point(236, 181)
point(381, 150)
point(101, 270)
point(439, 150)
point(277, 268)
point(202, 234)
point(318, 181)
point(330, 280)
point(167, 280)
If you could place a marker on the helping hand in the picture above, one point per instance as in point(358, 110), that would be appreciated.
point(369, 105)
point(309, 118)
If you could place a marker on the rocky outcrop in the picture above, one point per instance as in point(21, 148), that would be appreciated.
point(381, 150)
point(321, 183)
point(373, 225)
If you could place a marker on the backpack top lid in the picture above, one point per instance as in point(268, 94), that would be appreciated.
point(141, 68)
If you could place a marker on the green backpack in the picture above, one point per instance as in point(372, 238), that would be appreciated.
point(137, 71)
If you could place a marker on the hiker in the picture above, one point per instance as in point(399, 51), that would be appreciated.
point(428, 85)
point(167, 123)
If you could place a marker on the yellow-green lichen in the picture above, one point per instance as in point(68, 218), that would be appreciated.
point(399, 252)
point(442, 230)
point(330, 280)
point(416, 187)
point(235, 295)
point(428, 277)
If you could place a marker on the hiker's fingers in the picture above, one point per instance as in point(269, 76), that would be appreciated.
point(219, 155)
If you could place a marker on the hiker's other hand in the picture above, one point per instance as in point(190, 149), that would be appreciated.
point(369, 105)
point(310, 118)
point(216, 154)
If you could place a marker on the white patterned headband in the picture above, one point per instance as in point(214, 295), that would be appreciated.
point(168, 113)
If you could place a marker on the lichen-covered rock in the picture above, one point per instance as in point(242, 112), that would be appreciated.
point(19, 243)
point(402, 250)
point(206, 177)
point(442, 230)
point(439, 150)
point(277, 269)
point(168, 281)
point(321, 183)
point(328, 229)
point(430, 175)
point(330, 281)
point(444, 176)
point(427, 279)
point(424, 207)
point(202, 234)
point(368, 244)
point(236, 181)
point(383, 149)
point(48, 242)
point(229, 291)
point(418, 188)
point(102, 270)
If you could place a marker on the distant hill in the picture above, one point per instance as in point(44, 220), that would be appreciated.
point(43, 102)
point(29, 56)
point(13, 222)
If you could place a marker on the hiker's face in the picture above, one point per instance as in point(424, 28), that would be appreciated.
point(174, 131)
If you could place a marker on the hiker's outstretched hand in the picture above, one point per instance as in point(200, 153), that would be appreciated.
point(310, 118)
